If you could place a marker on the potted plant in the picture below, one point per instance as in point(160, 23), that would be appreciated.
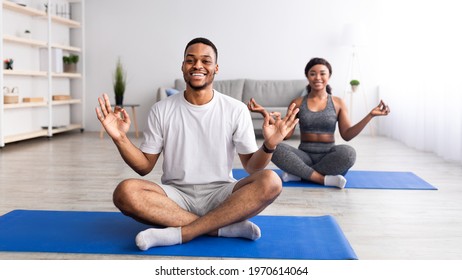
point(119, 82)
point(354, 85)
point(8, 64)
point(27, 34)
point(70, 63)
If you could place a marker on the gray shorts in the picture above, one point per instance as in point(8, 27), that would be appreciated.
point(199, 199)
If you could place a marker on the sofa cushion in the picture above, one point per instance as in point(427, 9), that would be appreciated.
point(273, 93)
point(180, 84)
point(232, 88)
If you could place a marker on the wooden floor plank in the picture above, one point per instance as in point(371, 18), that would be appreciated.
point(78, 171)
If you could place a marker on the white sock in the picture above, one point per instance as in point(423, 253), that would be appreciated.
point(335, 180)
point(244, 229)
point(154, 237)
point(286, 177)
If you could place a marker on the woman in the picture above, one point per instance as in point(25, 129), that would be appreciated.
point(317, 158)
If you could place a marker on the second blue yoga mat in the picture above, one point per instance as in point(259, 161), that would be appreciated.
point(363, 180)
point(283, 237)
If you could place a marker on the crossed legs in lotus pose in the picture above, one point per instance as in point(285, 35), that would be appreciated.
point(147, 202)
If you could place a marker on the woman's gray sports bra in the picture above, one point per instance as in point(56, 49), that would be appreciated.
point(317, 122)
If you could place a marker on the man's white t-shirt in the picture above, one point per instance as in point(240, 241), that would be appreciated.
point(199, 143)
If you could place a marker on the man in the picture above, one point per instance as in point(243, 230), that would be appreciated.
point(199, 131)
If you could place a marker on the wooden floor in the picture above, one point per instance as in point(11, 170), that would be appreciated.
point(78, 171)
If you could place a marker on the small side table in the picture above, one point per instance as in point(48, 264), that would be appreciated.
point(133, 117)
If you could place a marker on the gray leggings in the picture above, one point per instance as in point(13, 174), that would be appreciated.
point(325, 158)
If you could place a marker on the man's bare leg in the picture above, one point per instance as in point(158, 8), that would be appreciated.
point(250, 196)
point(146, 202)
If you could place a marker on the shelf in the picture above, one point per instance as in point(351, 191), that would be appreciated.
point(67, 128)
point(24, 136)
point(56, 34)
point(41, 104)
point(67, 75)
point(25, 105)
point(25, 41)
point(39, 44)
point(7, 5)
point(66, 102)
point(65, 21)
point(25, 73)
point(41, 74)
point(66, 48)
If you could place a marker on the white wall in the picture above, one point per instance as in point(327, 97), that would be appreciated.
point(420, 75)
point(260, 39)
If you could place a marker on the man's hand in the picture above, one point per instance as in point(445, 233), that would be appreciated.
point(276, 129)
point(117, 122)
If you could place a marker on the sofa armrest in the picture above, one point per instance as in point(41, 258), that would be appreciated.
point(161, 94)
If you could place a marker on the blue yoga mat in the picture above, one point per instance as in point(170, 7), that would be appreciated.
point(363, 180)
point(283, 237)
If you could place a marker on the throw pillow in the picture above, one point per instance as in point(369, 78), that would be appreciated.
point(171, 91)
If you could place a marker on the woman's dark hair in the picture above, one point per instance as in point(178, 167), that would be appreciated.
point(315, 61)
point(204, 41)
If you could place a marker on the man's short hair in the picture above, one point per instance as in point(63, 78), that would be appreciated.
point(204, 41)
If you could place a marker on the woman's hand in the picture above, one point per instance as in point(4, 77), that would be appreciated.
point(257, 108)
point(117, 122)
point(381, 110)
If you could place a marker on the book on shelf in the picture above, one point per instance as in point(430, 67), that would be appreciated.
point(33, 99)
point(59, 97)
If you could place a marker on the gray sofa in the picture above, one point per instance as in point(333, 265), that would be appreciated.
point(274, 95)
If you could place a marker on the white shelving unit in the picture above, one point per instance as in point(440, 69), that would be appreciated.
point(50, 31)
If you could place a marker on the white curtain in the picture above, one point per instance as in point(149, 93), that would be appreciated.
point(421, 75)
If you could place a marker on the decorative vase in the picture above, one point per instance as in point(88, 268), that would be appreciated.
point(119, 100)
point(70, 67)
point(354, 88)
